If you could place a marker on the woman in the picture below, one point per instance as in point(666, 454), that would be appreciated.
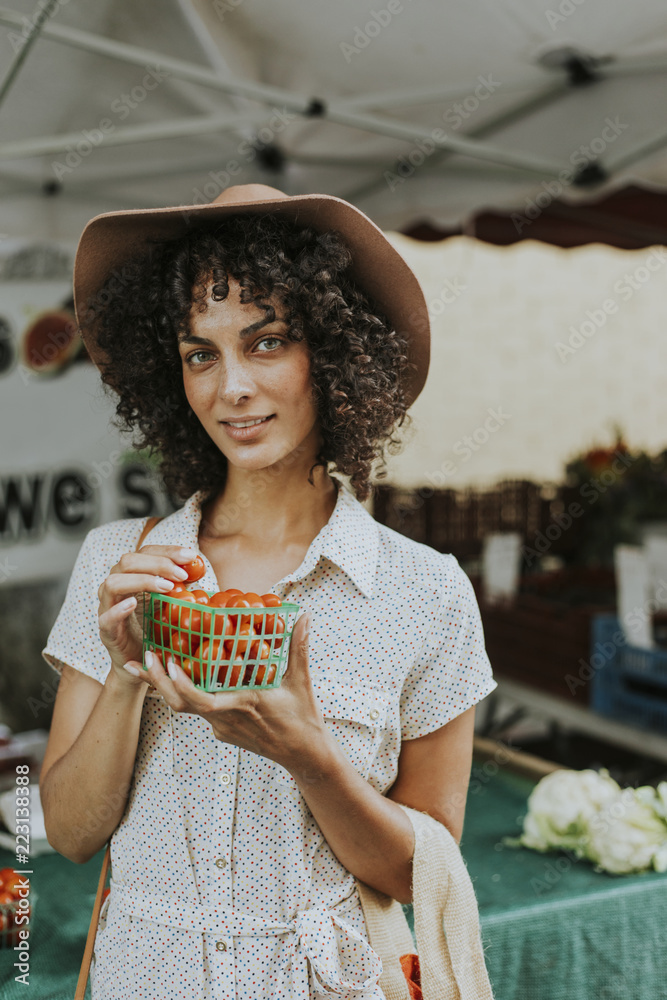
point(243, 340)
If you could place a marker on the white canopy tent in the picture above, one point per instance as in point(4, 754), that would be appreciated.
point(410, 111)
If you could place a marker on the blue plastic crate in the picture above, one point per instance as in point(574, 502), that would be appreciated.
point(631, 684)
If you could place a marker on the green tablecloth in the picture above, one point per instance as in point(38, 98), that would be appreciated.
point(553, 929)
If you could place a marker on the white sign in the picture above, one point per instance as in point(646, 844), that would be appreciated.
point(501, 560)
point(634, 589)
point(63, 468)
point(655, 546)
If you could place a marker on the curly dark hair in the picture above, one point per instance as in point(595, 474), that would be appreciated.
point(358, 361)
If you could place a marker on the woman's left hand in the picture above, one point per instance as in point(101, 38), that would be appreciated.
point(279, 723)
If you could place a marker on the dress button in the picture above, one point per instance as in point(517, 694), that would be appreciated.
point(220, 862)
point(375, 714)
point(220, 946)
point(225, 779)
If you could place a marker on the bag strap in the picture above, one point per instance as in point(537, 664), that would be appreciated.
point(92, 930)
point(149, 525)
point(97, 905)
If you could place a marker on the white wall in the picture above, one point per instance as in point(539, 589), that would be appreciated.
point(499, 315)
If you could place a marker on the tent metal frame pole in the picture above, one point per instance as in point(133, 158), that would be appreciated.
point(407, 97)
point(150, 131)
point(299, 104)
point(514, 112)
point(639, 152)
point(46, 11)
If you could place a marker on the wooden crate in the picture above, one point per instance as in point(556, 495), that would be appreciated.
point(543, 638)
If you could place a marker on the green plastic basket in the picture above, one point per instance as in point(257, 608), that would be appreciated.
point(234, 660)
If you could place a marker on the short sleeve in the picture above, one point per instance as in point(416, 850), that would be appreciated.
point(452, 671)
point(74, 638)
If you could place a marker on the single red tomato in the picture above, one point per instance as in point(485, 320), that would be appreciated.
point(161, 632)
point(158, 656)
point(200, 596)
point(220, 600)
point(271, 600)
point(176, 609)
point(191, 620)
point(5, 873)
point(231, 672)
point(180, 643)
point(5, 897)
point(254, 601)
point(239, 601)
point(275, 626)
point(219, 624)
point(12, 883)
point(217, 649)
point(243, 633)
point(261, 674)
point(260, 650)
point(195, 569)
point(219, 658)
point(192, 667)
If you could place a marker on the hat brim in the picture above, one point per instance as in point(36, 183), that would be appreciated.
point(110, 240)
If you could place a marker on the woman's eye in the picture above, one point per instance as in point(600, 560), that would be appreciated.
point(190, 359)
point(276, 341)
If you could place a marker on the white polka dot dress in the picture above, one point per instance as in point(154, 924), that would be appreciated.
point(223, 885)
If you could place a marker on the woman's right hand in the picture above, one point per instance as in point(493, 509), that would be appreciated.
point(153, 568)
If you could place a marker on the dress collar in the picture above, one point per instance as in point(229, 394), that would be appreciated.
point(349, 539)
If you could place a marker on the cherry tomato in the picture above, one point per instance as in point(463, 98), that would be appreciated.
point(180, 643)
point(158, 656)
point(261, 673)
point(275, 625)
point(191, 620)
point(271, 600)
point(176, 610)
point(231, 672)
point(5, 897)
point(200, 596)
point(195, 569)
point(5, 873)
point(239, 601)
point(222, 623)
point(219, 658)
point(242, 644)
point(161, 633)
point(217, 649)
point(11, 884)
point(254, 601)
point(260, 650)
point(219, 600)
point(192, 667)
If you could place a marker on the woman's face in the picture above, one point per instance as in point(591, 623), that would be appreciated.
point(236, 370)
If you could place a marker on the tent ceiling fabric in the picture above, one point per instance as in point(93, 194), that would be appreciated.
point(489, 77)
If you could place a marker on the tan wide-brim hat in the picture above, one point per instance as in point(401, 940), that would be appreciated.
point(111, 239)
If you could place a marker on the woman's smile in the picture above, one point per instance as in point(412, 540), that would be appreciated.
point(248, 429)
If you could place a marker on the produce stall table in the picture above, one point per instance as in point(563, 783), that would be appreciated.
point(553, 928)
